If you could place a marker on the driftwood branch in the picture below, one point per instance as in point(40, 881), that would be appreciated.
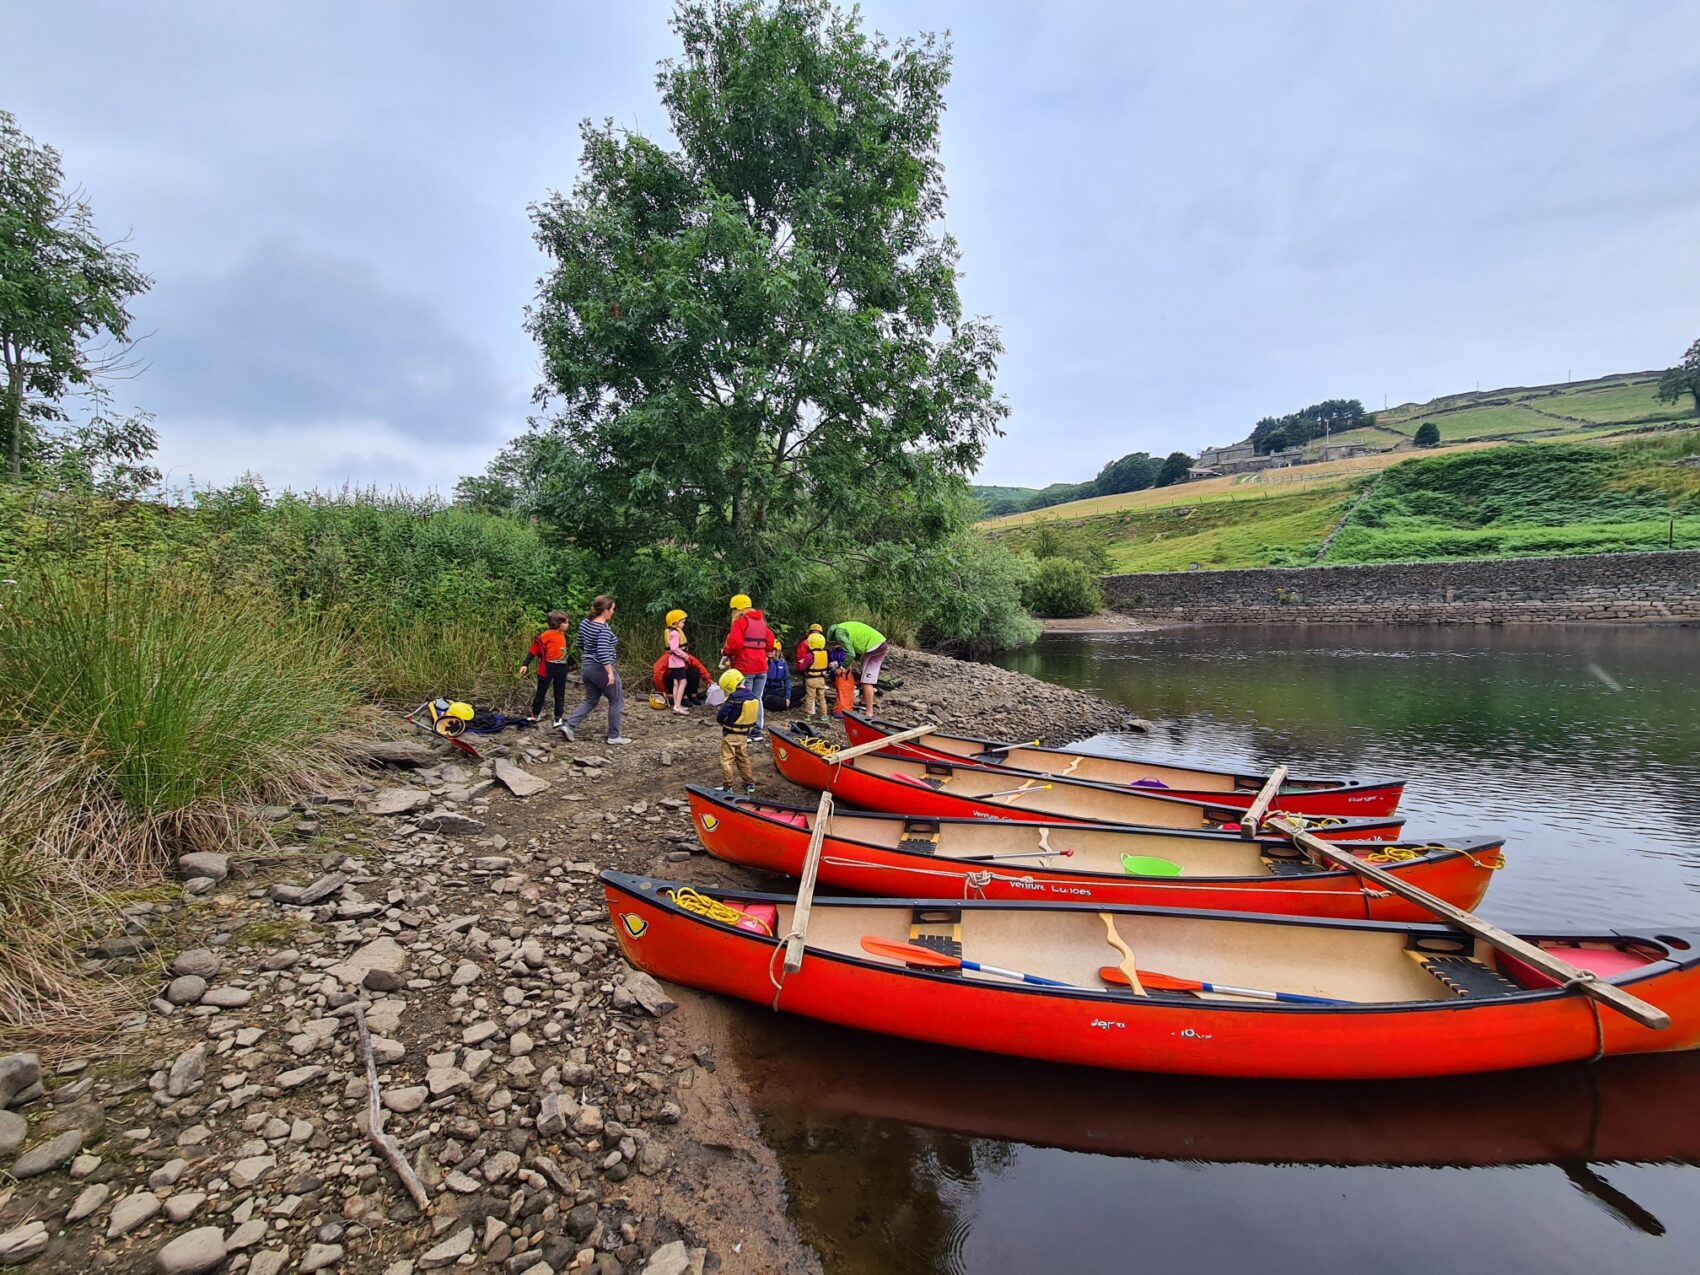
point(375, 1120)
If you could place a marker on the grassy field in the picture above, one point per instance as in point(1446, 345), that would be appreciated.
point(1477, 500)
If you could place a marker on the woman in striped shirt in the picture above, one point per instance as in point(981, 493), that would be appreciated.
point(598, 649)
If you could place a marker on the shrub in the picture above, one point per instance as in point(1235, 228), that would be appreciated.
point(975, 597)
point(1062, 587)
point(1428, 435)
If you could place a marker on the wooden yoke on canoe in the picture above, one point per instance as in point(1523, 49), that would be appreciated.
point(806, 890)
point(1260, 805)
point(1539, 958)
point(874, 745)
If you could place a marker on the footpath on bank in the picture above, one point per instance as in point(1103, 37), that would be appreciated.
point(561, 1111)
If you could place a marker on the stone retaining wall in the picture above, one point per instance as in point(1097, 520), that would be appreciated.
point(1612, 588)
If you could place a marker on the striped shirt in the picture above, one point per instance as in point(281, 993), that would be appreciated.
point(596, 643)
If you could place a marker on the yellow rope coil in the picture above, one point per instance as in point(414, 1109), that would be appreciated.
point(699, 904)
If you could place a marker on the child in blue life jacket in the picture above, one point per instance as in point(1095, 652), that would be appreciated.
point(737, 717)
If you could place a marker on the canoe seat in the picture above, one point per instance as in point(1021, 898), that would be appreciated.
point(940, 930)
point(920, 836)
point(1465, 975)
point(1289, 861)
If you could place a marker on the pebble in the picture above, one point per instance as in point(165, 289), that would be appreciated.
point(250, 1170)
point(193, 1253)
point(205, 863)
point(406, 1100)
point(167, 1173)
point(228, 997)
point(449, 1251)
point(186, 989)
point(318, 1257)
point(197, 962)
point(272, 1262)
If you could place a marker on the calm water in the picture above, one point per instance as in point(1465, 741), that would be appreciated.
point(1581, 745)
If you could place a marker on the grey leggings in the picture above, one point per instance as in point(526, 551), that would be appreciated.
point(597, 687)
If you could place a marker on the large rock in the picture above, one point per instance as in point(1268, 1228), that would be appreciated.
point(18, 1073)
point(192, 1253)
point(13, 1129)
point(186, 989)
point(519, 782)
point(398, 801)
point(87, 1201)
point(669, 1259)
point(246, 1172)
point(187, 1072)
point(647, 992)
point(130, 1212)
point(380, 954)
point(448, 1252)
point(204, 863)
point(305, 896)
point(451, 824)
point(22, 1243)
point(197, 962)
point(47, 1156)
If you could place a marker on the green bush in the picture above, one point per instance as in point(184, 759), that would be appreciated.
point(1062, 587)
point(974, 601)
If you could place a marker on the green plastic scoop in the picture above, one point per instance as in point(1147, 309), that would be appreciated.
point(1144, 865)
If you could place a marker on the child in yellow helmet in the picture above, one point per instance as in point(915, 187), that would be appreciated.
point(736, 717)
point(678, 667)
point(814, 677)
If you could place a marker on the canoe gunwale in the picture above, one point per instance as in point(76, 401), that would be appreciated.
point(877, 727)
point(653, 890)
point(1436, 853)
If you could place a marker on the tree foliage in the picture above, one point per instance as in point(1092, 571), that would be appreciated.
point(1062, 587)
point(1682, 379)
point(1174, 469)
point(754, 353)
point(1427, 435)
point(1334, 415)
point(64, 296)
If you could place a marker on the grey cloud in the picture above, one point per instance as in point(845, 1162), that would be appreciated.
point(291, 336)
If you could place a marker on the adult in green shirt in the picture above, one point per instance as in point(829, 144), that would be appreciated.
point(867, 646)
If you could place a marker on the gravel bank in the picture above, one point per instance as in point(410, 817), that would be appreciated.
point(560, 1111)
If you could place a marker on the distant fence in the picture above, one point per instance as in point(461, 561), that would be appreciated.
point(1610, 588)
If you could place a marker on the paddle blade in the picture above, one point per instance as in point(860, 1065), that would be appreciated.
point(909, 953)
point(1158, 982)
point(1144, 865)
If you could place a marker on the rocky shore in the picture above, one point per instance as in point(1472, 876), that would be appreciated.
point(556, 1110)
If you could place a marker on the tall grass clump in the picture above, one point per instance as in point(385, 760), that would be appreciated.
point(147, 713)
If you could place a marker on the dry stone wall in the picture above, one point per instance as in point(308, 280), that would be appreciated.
point(1616, 588)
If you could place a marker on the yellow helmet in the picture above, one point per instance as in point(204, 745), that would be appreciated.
point(815, 628)
point(741, 602)
point(817, 642)
point(675, 616)
point(731, 680)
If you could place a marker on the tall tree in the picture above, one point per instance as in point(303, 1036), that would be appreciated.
point(1134, 472)
point(1682, 379)
point(753, 344)
point(1174, 469)
point(64, 292)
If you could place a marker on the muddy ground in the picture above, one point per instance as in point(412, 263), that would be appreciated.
point(560, 1111)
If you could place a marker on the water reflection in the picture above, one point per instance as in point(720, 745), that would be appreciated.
point(1580, 744)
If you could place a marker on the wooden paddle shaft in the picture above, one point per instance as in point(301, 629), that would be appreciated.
point(1537, 957)
point(874, 745)
point(806, 891)
point(1260, 806)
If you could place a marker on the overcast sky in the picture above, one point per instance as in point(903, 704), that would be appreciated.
point(1184, 217)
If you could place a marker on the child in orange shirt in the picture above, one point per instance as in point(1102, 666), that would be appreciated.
point(549, 649)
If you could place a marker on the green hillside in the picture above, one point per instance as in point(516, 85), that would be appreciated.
point(1487, 501)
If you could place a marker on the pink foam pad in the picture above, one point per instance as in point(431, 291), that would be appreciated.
point(1604, 961)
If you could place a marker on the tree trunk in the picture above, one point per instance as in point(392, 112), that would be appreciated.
point(14, 416)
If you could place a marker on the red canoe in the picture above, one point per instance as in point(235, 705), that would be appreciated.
point(916, 786)
point(1360, 797)
point(1219, 872)
point(1406, 1000)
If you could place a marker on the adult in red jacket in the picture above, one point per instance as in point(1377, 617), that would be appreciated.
point(697, 677)
point(746, 649)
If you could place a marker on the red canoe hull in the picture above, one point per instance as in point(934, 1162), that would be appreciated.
point(1161, 1034)
point(1354, 798)
point(742, 831)
point(849, 783)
